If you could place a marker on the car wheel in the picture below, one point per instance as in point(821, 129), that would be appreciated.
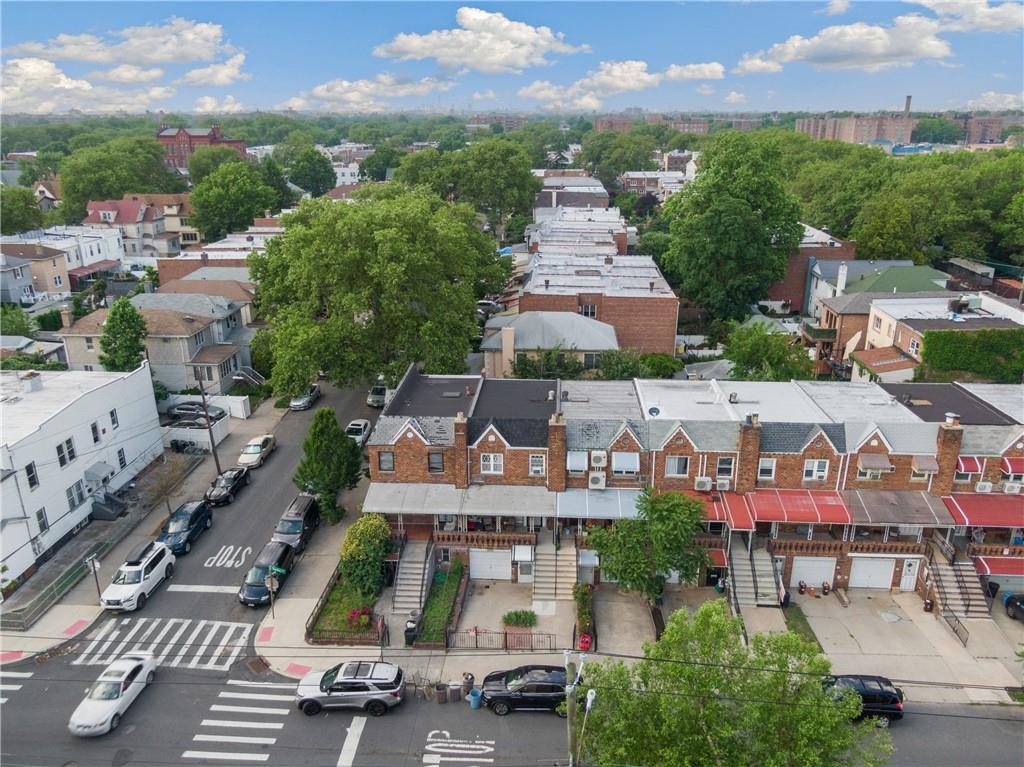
point(1011, 611)
point(500, 708)
point(141, 603)
point(311, 708)
point(883, 722)
point(209, 519)
point(150, 677)
point(168, 572)
point(188, 546)
point(376, 708)
point(248, 479)
point(231, 497)
point(114, 721)
point(562, 714)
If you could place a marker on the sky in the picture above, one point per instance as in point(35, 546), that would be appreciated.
point(341, 57)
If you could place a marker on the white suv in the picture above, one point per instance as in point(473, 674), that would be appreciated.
point(138, 577)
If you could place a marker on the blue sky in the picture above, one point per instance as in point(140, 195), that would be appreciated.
point(570, 56)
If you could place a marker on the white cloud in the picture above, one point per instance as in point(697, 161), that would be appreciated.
point(709, 71)
point(484, 42)
point(298, 103)
point(837, 7)
point(364, 95)
point(219, 74)
point(210, 105)
point(39, 86)
point(705, 90)
point(587, 93)
point(976, 15)
point(735, 97)
point(869, 47)
point(994, 101)
point(487, 95)
point(129, 74)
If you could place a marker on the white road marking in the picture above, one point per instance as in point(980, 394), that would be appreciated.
point(252, 710)
point(234, 739)
point(188, 643)
point(214, 628)
point(173, 641)
point(107, 628)
point(348, 750)
point(255, 696)
point(277, 685)
point(9, 687)
point(204, 589)
point(240, 725)
point(27, 674)
point(438, 758)
point(161, 648)
point(226, 756)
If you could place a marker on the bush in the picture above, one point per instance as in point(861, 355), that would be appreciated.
point(583, 596)
point(437, 611)
point(993, 354)
point(527, 618)
point(49, 320)
point(363, 552)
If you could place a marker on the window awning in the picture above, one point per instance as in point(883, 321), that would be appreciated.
point(596, 504)
point(717, 557)
point(412, 498)
point(925, 464)
point(99, 471)
point(999, 566)
point(1013, 465)
point(629, 462)
point(576, 460)
point(986, 509)
point(799, 507)
point(873, 462)
point(968, 464)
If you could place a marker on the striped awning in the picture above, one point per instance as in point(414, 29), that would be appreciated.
point(968, 464)
point(1013, 465)
point(999, 565)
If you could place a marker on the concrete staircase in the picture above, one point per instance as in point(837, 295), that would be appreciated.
point(742, 576)
point(966, 602)
point(412, 569)
point(554, 571)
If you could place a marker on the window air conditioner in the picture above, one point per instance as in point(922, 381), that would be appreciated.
point(702, 483)
point(1013, 488)
point(597, 480)
point(722, 485)
point(598, 458)
point(983, 487)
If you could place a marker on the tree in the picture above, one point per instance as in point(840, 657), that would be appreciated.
point(163, 479)
point(375, 167)
point(229, 199)
point(17, 322)
point(758, 354)
point(609, 155)
point(206, 159)
point(18, 210)
point(551, 363)
point(43, 165)
point(495, 178)
point(363, 552)
point(619, 365)
point(733, 228)
point(313, 172)
point(294, 144)
point(641, 553)
point(937, 130)
point(369, 288)
point(273, 176)
point(108, 171)
point(656, 365)
point(123, 342)
point(701, 696)
point(330, 462)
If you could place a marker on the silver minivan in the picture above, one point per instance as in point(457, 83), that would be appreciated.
point(377, 396)
point(371, 686)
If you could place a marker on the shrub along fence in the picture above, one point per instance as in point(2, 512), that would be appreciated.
point(993, 353)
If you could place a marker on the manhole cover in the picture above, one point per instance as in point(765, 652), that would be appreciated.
point(257, 665)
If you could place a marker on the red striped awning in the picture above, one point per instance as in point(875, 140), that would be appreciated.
point(717, 557)
point(968, 464)
point(986, 509)
point(1013, 465)
point(799, 507)
point(737, 511)
point(999, 565)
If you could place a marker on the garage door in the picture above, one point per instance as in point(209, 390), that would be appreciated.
point(871, 573)
point(812, 570)
point(490, 564)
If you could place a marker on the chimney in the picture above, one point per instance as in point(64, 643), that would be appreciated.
point(38, 249)
point(204, 258)
point(266, 213)
point(66, 318)
point(31, 382)
point(609, 260)
point(841, 278)
point(556, 453)
point(947, 453)
point(508, 351)
point(749, 453)
point(461, 457)
point(547, 284)
point(651, 285)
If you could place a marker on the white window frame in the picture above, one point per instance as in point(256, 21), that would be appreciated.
point(538, 465)
point(75, 495)
point(42, 521)
point(576, 454)
point(94, 428)
point(32, 475)
point(1004, 477)
point(876, 324)
point(719, 474)
point(588, 310)
point(865, 474)
point(918, 476)
point(114, 421)
point(380, 455)
point(122, 459)
point(623, 463)
point(914, 347)
point(430, 469)
point(964, 476)
point(813, 471)
point(492, 463)
point(770, 463)
point(686, 465)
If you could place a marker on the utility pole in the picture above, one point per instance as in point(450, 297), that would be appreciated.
point(93, 564)
point(570, 705)
point(209, 424)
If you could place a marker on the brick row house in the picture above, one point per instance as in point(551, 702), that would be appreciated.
point(844, 483)
point(180, 143)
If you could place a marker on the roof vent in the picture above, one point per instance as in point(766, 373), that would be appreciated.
point(189, 319)
point(733, 398)
point(451, 394)
point(654, 412)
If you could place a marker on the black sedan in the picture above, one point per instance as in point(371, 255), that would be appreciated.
point(225, 487)
point(192, 409)
point(531, 688)
point(880, 698)
point(187, 523)
point(1014, 604)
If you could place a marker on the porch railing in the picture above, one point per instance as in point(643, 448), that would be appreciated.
point(484, 639)
point(753, 568)
point(734, 600)
point(994, 550)
point(458, 538)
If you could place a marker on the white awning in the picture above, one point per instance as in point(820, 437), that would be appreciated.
point(576, 460)
point(508, 501)
point(597, 504)
point(98, 472)
point(412, 498)
point(626, 462)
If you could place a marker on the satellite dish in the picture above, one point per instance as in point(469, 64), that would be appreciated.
point(654, 411)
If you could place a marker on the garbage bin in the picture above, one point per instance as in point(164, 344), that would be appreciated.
point(467, 683)
point(441, 692)
point(993, 589)
point(474, 698)
point(929, 605)
point(412, 627)
point(454, 691)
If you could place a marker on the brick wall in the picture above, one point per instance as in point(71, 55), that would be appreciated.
point(556, 453)
point(889, 480)
point(789, 467)
point(947, 452)
point(677, 445)
point(175, 268)
point(791, 286)
point(515, 462)
point(749, 457)
point(411, 462)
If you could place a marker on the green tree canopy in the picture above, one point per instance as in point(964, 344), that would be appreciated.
point(123, 343)
point(16, 321)
point(313, 172)
point(937, 130)
point(18, 210)
point(273, 176)
point(758, 354)
point(375, 167)
point(609, 155)
point(206, 159)
point(371, 287)
point(641, 553)
point(294, 144)
point(229, 199)
point(548, 363)
point(44, 164)
point(331, 461)
point(702, 697)
point(363, 552)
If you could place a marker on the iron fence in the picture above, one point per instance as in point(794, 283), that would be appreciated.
point(483, 639)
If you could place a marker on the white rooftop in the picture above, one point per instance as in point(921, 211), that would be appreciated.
point(569, 275)
point(1007, 398)
point(846, 401)
point(818, 237)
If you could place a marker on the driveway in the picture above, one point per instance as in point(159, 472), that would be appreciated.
point(891, 635)
point(624, 621)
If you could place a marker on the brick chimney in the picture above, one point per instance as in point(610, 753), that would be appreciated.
point(556, 453)
point(621, 243)
point(66, 318)
point(749, 453)
point(947, 451)
point(461, 452)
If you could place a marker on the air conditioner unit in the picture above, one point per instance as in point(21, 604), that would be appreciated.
point(702, 483)
point(1013, 488)
point(722, 485)
point(983, 487)
point(597, 481)
point(598, 458)
point(874, 475)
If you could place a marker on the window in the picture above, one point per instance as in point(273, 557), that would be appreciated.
point(724, 468)
point(435, 462)
point(492, 463)
point(816, 470)
point(88, 343)
point(963, 476)
point(95, 428)
point(766, 468)
point(114, 423)
point(42, 521)
point(32, 475)
point(58, 280)
point(877, 323)
point(918, 476)
point(588, 310)
point(915, 347)
point(76, 495)
point(576, 461)
point(18, 273)
point(121, 460)
point(537, 465)
point(677, 465)
point(868, 474)
point(385, 460)
point(66, 451)
point(625, 463)
point(87, 368)
point(1004, 477)
point(591, 360)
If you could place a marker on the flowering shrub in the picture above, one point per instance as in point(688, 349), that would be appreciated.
point(359, 618)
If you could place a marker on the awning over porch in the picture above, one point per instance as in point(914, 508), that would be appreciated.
point(968, 464)
point(412, 498)
point(798, 507)
point(98, 266)
point(508, 501)
point(986, 509)
point(999, 566)
point(896, 507)
point(597, 504)
point(736, 510)
point(98, 472)
point(1013, 465)
point(717, 557)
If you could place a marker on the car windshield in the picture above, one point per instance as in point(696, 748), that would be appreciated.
point(329, 676)
point(224, 481)
point(354, 431)
point(123, 576)
point(257, 576)
point(378, 391)
point(289, 526)
point(177, 525)
point(105, 691)
point(515, 678)
point(252, 449)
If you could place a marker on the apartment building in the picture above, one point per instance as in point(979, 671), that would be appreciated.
point(568, 192)
point(985, 130)
point(692, 126)
point(661, 183)
point(613, 124)
point(16, 280)
point(89, 252)
point(790, 293)
point(180, 143)
point(48, 267)
point(864, 129)
point(177, 211)
point(142, 227)
point(592, 231)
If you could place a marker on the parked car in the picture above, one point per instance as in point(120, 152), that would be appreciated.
point(371, 686)
point(191, 409)
point(879, 697)
point(112, 693)
point(359, 430)
point(256, 452)
point(305, 401)
point(1014, 604)
point(225, 487)
point(377, 396)
point(487, 306)
point(298, 522)
point(275, 557)
point(136, 580)
point(188, 522)
point(198, 422)
point(534, 688)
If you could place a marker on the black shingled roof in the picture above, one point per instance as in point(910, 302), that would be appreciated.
point(518, 432)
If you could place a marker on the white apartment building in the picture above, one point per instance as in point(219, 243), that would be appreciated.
point(66, 438)
point(258, 153)
point(86, 249)
point(346, 173)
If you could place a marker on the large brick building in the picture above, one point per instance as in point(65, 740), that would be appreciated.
point(985, 130)
point(816, 245)
point(893, 128)
point(180, 143)
point(613, 124)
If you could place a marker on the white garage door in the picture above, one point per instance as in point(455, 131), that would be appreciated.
point(871, 573)
point(490, 564)
point(812, 570)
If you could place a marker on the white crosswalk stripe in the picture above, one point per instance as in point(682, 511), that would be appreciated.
point(201, 645)
point(11, 681)
point(246, 717)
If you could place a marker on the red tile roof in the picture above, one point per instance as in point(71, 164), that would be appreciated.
point(126, 211)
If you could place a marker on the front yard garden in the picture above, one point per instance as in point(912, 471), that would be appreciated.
point(437, 612)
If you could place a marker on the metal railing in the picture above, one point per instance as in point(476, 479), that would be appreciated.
point(485, 639)
point(427, 577)
point(961, 586)
point(957, 625)
point(734, 601)
point(817, 333)
point(753, 568)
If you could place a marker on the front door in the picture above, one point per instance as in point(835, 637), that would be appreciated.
point(909, 578)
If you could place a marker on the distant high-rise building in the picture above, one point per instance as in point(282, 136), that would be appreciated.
point(696, 127)
point(613, 125)
point(859, 130)
point(985, 130)
point(747, 123)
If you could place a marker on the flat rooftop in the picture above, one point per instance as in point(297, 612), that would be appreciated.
point(1006, 398)
point(966, 322)
point(856, 402)
point(625, 276)
point(930, 402)
point(710, 401)
point(443, 396)
point(600, 399)
point(516, 398)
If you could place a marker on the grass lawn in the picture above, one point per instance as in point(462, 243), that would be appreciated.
point(334, 616)
point(438, 609)
point(796, 622)
point(1016, 694)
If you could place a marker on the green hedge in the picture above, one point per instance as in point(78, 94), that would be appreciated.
point(996, 355)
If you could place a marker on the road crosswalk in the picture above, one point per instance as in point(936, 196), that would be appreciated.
point(202, 645)
point(11, 682)
point(247, 714)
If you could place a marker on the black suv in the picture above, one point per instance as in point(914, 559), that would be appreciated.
point(298, 522)
point(879, 696)
point(1014, 604)
point(535, 688)
point(277, 558)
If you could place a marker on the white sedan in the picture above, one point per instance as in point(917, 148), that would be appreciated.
point(111, 695)
point(359, 430)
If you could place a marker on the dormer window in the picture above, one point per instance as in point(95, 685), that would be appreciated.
point(107, 215)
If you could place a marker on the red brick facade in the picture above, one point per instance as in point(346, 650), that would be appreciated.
point(791, 287)
point(178, 148)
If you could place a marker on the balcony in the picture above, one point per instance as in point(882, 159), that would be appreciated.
point(459, 539)
point(816, 333)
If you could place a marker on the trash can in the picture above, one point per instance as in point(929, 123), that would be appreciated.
point(929, 605)
point(474, 698)
point(412, 627)
point(993, 589)
point(454, 691)
point(441, 692)
point(467, 683)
